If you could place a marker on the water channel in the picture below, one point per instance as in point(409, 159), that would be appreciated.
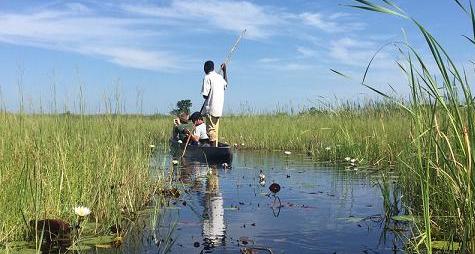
point(228, 210)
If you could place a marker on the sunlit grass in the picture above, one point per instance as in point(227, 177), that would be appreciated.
point(53, 163)
point(438, 174)
point(50, 164)
point(375, 133)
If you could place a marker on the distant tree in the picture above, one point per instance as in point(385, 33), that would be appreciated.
point(182, 106)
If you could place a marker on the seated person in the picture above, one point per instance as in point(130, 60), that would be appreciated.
point(199, 134)
point(182, 127)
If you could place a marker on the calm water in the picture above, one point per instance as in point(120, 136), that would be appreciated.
point(321, 210)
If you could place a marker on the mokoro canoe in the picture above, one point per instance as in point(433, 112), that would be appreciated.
point(207, 154)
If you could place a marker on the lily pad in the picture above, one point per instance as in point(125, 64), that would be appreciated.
point(408, 218)
point(79, 248)
point(90, 227)
point(445, 245)
point(104, 239)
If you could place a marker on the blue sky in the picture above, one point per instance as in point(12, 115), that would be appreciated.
point(149, 54)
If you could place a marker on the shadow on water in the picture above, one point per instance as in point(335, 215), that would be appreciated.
point(234, 210)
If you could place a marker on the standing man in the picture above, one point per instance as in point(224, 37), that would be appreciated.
point(213, 92)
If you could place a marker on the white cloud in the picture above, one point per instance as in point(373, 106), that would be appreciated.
point(268, 60)
point(234, 16)
point(306, 52)
point(135, 58)
point(78, 7)
point(75, 28)
point(284, 64)
point(316, 19)
point(141, 36)
point(352, 55)
point(334, 23)
point(348, 51)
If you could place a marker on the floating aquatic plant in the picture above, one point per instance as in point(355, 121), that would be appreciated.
point(82, 211)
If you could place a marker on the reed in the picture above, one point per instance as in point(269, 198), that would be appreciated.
point(53, 163)
point(373, 132)
point(438, 175)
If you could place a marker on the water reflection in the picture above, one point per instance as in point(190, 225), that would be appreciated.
point(204, 182)
point(317, 210)
point(213, 214)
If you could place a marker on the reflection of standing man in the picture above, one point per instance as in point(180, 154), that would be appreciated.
point(213, 91)
point(213, 222)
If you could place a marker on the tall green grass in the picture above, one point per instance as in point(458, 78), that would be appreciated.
point(374, 132)
point(438, 173)
point(50, 164)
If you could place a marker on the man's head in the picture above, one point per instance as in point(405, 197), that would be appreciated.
point(208, 66)
point(183, 116)
point(196, 118)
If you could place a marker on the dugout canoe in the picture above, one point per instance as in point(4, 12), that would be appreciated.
point(206, 154)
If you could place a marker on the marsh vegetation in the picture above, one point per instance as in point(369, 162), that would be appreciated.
point(51, 163)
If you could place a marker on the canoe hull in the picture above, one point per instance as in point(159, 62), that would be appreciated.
point(206, 154)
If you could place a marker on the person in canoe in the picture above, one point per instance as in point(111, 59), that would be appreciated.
point(199, 136)
point(213, 92)
point(182, 127)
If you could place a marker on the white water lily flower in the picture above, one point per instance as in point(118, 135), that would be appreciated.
point(174, 162)
point(179, 141)
point(82, 211)
point(152, 146)
point(328, 148)
point(347, 158)
point(262, 176)
point(288, 152)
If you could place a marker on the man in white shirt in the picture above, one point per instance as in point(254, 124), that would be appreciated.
point(199, 133)
point(213, 92)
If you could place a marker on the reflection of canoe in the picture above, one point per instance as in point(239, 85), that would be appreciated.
point(222, 153)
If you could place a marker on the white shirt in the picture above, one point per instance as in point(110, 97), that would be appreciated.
point(213, 87)
point(200, 131)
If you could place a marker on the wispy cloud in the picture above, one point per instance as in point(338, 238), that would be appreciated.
point(352, 52)
point(139, 35)
point(75, 28)
point(306, 52)
point(268, 60)
point(234, 16)
point(333, 23)
point(284, 64)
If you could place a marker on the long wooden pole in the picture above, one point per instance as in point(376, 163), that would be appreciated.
point(187, 141)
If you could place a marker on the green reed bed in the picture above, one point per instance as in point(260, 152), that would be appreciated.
point(50, 164)
point(374, 133)
point(438, 164)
